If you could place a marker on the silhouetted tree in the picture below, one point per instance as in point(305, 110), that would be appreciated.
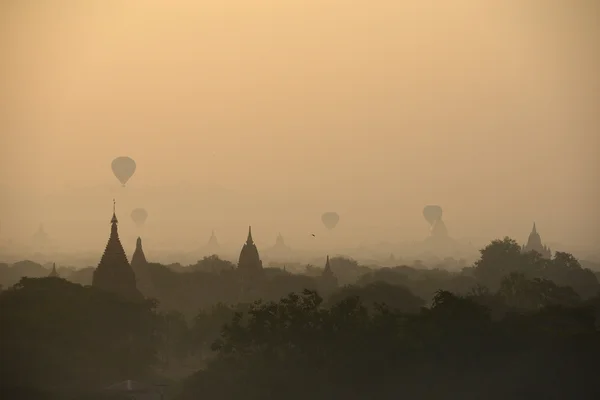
point(393, 296)
point(213, 264)
point(59, 336)
point(500, 258)
point(531, 294)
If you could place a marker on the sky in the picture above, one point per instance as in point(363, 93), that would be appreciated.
point(270, 113)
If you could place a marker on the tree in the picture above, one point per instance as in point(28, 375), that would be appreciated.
point(393, 296)
point(207, 326)
point(524, 294)
point(174, 337)
point(565, 269)
point(63, 337)
point(500, 258)
point(213, 264)
point(297, 348)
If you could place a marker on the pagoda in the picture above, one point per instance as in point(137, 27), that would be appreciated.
point(53, 273)
point(140, 267)
point(328, 280)
point(534, 243)
point(213, 244)
point(139, 258)
point(249, 263)
point(114, 273)
point(280, 245)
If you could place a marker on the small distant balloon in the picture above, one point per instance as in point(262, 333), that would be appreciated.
point(432, 213)
point(330, 219)
point(123, 168)
point(139, 216)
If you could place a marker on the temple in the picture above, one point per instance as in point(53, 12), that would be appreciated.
point(280, 250)
point(139, 258)
point(439, 241)
point(213, 244)
point(249, 263)
point(328, 280)
point(280, 243)
point(439, 229)
point(114, 273)
point(53, 273)
point(140, 267)
point(534, 243)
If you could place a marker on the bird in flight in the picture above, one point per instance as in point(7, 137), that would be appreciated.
point(313, 234)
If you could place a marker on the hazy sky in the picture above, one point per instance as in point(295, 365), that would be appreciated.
point(372, 108)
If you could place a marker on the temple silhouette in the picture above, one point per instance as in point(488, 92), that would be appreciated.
point(139, 258)
point(280, 244)
point(534, 243)
point(250, 264)
point(212, 247)
point(139, 264)
point(328, 281)
point(114, 273)
point(439, 241)
point(53, 273)
point(439, 230)
point(279, 250)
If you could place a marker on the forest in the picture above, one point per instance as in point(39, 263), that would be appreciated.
point(513, 325)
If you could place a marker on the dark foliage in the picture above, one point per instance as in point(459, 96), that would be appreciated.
point(297, 349)
point(61, 337)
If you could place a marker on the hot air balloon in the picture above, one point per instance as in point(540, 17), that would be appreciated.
point(330, 219)
point(123, 168)
point(139, 216)
point(432, 213)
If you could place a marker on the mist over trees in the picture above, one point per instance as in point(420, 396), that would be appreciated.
point(495, 329)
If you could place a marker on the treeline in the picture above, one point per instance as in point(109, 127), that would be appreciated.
point(530, 339)
point(297, 349)
point(186, 289)
point(512, 326)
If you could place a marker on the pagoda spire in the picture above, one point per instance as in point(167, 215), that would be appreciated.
point(534, 243)
point(249, 240)
point(53, 273)
point(327, 269)
point(213, 237)
point(114, 219)
point(249, 262)
point(328, 279)
point(138, 258)
point(114, 273)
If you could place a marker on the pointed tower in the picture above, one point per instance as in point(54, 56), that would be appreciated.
point(328, 280)
point(249, 262)
point(534, 243)
point(279, 242)
point(139, 258)
point(140, 267)
point(114, 273)
point(213, 244)
point(439, 229)
point(213, 239)
point(53, 273)
point(280, 248)
point(327, 271)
